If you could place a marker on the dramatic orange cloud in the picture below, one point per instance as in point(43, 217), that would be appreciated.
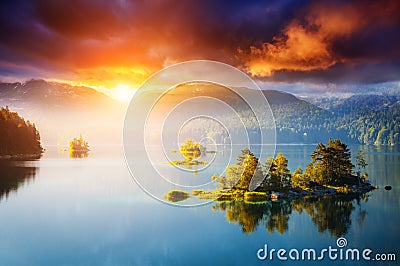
point(106, 43)
point(110, 77)
point(308, 42)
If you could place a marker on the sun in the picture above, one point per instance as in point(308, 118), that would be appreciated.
point(123, 93)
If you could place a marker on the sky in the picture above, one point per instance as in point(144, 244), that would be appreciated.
point(300, 46)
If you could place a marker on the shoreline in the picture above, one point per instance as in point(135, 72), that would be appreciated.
point(20, 157)
point(263, 196)
point(187, 163)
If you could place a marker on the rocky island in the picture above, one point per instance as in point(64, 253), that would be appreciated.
point(191, 151)
point(78, 148)
point(330, 172)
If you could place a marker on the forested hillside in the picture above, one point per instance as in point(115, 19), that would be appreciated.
point(18, 136)
point(370, 119)
point(360, 119)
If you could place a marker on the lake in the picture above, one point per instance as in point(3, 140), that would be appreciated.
point(89, 211)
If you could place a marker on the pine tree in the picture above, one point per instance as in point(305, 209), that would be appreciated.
point(331, 163)
point(279, 175)
point(360, 162)
point(299, 179)
point(282, 170)
point(250, 167)
point(239, 175)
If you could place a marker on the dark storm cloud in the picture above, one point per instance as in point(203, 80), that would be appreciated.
point(55, 30)
point(272, 40)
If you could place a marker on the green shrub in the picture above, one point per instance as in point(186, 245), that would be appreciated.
point(177, 195)
point(197, 192)
point(255, 196)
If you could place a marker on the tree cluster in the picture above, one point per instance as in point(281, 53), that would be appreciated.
point(274, 173)
point(18, 136)
point(191, 150)
point(78, 145)
point(330, 165)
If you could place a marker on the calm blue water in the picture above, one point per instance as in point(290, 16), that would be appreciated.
point(89, 211)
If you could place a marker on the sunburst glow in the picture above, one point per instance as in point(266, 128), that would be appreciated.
point(122, 93)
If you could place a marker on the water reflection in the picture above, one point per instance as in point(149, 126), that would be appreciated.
point(78, 154)
point(331, 213)
point(13, 175)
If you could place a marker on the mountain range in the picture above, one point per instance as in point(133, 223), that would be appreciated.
point(62, 111)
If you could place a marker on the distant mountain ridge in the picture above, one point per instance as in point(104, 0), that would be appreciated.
point(280, 98)
point(371, 102)
point(61, 110)
point(50, 93)
point(359, 119)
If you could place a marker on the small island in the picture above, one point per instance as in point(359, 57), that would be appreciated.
point(177, 195)
point(78, 148)
point(19, 139)
point(330, 172)
point(190, 151)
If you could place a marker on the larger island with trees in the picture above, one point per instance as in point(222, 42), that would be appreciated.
point(330, 172)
